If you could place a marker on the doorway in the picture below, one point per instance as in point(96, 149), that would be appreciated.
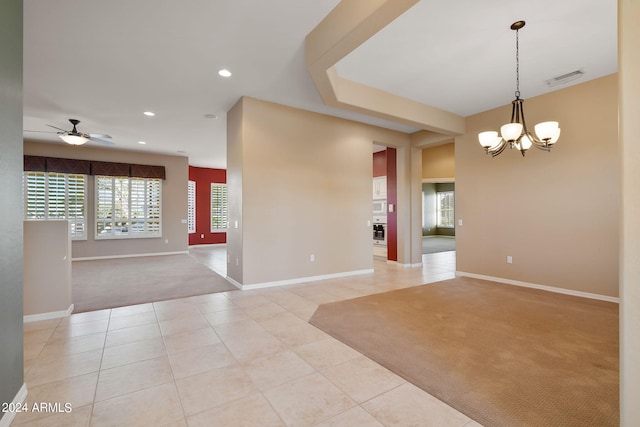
point(438, 217)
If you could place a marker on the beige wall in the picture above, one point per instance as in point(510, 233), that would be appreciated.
point(556, 213)
point(439, 162)
point(306, 189)
point(629, 70)
point(235, 263)
point(174, 200)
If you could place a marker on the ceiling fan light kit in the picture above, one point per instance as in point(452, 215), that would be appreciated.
point(73, 139)
point(515, 133)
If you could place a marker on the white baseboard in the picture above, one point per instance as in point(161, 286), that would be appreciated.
point(205, 245)
point(18, 400)
point(48, 316)
point(409, 265)
point(299, 279)
point(234, 283)
point(541, 287)
point(93, 258)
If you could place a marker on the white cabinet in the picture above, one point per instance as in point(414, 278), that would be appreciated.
point(380, 251)
point(380, 187)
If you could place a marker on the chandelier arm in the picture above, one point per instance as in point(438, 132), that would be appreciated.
point(503, 144)
point(521, 117)
point(541, 145)
point(534, 139)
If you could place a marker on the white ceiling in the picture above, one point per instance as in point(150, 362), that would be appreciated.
point(106, 62)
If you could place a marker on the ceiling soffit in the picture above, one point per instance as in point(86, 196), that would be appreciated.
point(348, 25)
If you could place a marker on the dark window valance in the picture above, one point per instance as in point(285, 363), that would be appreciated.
point(109, 169)
point(35, 164)
point(55, 164)
point(147, 171)
point(91, 167)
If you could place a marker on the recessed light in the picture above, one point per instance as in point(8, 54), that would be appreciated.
point(149, 113)
point(141, 142)
point(225, 73)
point(211, 116)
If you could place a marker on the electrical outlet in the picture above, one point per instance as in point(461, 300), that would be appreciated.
point(509, 259)
point(202, 236)
point(312, 257)
point(166, 241)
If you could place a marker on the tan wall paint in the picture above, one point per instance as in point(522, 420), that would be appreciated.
point(174, 200)
point(555, 213)
point(235, 193)
point(439, 162)
point(306, 189)
point(629, 66)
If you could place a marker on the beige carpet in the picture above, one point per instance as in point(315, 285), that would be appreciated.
point(113, 283)
point(502, 355)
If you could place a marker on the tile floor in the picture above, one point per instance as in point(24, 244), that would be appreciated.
point(239, 358)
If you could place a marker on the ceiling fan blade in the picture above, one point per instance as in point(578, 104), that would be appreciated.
point(63, 130)
point(39, 131)
point(100, 141)
point(99, 135)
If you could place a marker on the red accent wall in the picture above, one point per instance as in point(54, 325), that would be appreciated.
point(384, 164)
point(392, 199)
point(203, 178)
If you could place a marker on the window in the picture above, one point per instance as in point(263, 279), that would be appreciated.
point(191, 208)
point(218, 207)
point(128, 207)
point(51, 195)
point(445, 209)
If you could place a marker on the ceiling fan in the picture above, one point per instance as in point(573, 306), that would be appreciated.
point(74, 137)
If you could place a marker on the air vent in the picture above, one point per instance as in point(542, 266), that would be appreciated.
point(565, 78)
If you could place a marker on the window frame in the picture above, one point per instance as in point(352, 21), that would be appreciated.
point(225, 209)
point(130, 218)
point(439, 210)
point(47, 196)
point(191, 207)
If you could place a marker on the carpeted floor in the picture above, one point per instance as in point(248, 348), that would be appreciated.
point(502, 355)
point(434, 244)
point(118, 282)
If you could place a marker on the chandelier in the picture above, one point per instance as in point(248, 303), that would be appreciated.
point(515, 133)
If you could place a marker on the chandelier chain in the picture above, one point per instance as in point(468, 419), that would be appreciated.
point(517, 65)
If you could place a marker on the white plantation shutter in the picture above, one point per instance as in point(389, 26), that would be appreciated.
point(191, 208)
point(104, 205)
point(77, 204)
point(56, 196)
point(35, 195)
point(154, 210)
point(138, 205)
point(128, 207)
point(50, 195)
point(219, 208)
